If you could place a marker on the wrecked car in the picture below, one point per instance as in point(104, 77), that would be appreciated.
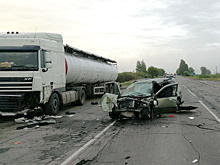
point(144, 99)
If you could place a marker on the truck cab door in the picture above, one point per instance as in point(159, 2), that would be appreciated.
point(52, 73)
point(167, 99)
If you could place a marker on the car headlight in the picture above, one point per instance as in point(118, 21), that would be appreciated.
point(155, 102)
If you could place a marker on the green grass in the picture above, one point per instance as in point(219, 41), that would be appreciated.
point(127, 83)
point(215, 77)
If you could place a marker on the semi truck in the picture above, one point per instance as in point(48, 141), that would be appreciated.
point(38, 70)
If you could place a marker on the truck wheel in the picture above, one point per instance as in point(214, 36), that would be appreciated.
point(53, 106)
point(106, 88)
point(82, 98)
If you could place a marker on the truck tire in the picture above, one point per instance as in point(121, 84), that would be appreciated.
point(82, 98)
point(106, 88)
point(53, 106)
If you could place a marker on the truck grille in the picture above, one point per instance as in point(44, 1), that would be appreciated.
point(10, 103)
point(17, 84)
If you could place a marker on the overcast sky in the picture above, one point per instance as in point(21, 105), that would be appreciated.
point(160, 32)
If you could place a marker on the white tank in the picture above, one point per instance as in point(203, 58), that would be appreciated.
point(86, 70)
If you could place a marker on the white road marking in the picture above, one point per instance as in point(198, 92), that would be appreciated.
point(210, 111)
point(87, 144)
point(184, 86)
point(191, 92)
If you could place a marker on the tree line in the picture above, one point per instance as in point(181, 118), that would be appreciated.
point(184, 70)
point(141, 72)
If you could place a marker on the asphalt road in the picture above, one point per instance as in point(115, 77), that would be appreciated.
point(91, 137)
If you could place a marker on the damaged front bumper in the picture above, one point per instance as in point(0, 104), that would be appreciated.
point(126, 107)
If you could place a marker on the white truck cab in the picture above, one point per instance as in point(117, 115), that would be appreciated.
point(36, 69)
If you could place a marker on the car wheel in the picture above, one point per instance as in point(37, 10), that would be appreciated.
point(178, 103)
point(113, 114)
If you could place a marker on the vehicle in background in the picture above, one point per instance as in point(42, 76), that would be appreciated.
point(144, 99)
point(170, 76)
point(36, 69)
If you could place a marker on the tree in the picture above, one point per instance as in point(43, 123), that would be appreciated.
point(204, 70)
point(208, 71)
point(140, 66)
point(153, 71)
point(178, 71)
point(143, 65)
point(161, 72)
point(191, 70)
point(186, 73)
point(183, 67)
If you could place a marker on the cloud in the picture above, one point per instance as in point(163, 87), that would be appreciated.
point(159, 32)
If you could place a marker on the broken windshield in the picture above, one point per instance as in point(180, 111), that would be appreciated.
point(19, 60)
point(140, 89)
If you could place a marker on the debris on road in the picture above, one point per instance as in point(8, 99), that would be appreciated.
point(56, 117)
point(191, 118)
point(36, 122)
point(194, 161)
point(127, 157)
point(17, 142)
point(83, 161)
point(21, 120)
point(70, 113)
point(188, 108)
point(171, 115)
point(94, 103)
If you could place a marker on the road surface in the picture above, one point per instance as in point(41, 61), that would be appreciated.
point(91, 137)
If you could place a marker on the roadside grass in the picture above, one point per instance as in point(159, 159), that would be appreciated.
point(215, 77)
point(126, 83)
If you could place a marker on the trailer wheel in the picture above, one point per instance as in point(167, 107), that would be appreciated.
point(53, 106)
point(82, 98)
point(106, 88)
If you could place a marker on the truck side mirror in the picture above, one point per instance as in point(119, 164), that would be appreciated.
point(48, 60)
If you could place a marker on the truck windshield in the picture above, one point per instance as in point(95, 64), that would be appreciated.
point(19, 60)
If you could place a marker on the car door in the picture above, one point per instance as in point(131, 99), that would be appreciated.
point(167, 99)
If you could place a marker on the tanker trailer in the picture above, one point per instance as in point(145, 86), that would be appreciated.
point(38, 70)
point(89, 73)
